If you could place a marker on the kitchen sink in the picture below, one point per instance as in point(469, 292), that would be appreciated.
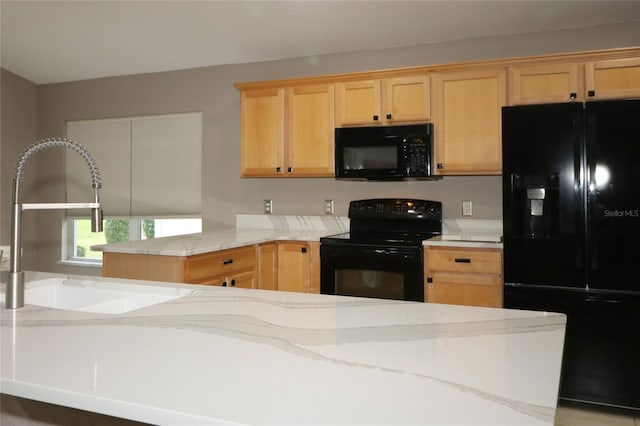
point(97, 296)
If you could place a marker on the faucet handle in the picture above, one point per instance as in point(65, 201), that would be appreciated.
point(96, 219)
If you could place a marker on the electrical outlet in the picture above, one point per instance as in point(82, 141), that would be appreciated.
point(328, 206)
point(467, 208)
point(268, 206)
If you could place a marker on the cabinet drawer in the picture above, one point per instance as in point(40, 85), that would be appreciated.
point(481, 261)
point(206, 266)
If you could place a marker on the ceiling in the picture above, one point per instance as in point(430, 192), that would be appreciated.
point(55, 41)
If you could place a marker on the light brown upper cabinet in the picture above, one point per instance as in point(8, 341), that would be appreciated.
point(384, 101)
point(613, 78)
point(310, 122)
point(468, 121)
point(287, 126)
point(566, 82)
point(549, 83)
point(261, 132)
point(287, 132)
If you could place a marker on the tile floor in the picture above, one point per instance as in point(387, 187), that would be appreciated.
point(576, 415)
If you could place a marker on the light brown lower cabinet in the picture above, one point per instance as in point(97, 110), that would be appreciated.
point(229, 268)
point(281, 265)
point(297, 266)
point(244, 279)
point(268, 266)
point(464, 276)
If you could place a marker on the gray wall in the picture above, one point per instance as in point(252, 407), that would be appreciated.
point(18, 129)
point(211, 91)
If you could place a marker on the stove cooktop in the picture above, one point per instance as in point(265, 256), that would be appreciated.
point(391, 221)
point(376, 238)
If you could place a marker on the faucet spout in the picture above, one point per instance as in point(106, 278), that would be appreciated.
point(15, 280)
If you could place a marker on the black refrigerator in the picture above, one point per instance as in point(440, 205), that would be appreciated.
point(571, 216)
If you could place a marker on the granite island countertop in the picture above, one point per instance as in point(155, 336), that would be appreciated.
point(235, 356)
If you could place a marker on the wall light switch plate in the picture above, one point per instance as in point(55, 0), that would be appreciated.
point(467, 208)
point(328, 206)
point(268, 206)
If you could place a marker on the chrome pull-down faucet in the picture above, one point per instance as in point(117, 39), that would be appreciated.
point(15, 280)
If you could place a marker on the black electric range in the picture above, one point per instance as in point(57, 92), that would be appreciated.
point(381, 256)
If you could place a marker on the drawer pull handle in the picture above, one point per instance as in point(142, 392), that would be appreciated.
point(462, 260)
point(227, 261)
point(233, 283)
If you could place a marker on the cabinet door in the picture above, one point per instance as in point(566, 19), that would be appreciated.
point(262, 132)
point(220, 281)
point(309, 146)
point(268, 266)
point(545, 84)
point(614, 78)
point(244, 279)
point(465, 289)
point(358, 102)
point(314, 267)
point(407, 99)
point(468, 122)
point(293, 266)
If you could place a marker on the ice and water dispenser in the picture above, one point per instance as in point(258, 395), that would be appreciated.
point(536, 202)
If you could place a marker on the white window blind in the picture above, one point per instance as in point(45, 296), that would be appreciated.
point(150, 166)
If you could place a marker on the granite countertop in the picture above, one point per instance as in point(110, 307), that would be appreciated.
point(221, 239)
point(469, 233)
point(235, 356)
point(249, 230)
point(256, 229)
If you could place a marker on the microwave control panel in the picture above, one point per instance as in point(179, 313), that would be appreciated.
point(416, 156)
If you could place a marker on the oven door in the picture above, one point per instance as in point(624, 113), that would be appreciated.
point(372, 271)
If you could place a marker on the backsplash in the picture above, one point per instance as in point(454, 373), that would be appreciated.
point(292, 222)
point(453, 226)
point(341, 223)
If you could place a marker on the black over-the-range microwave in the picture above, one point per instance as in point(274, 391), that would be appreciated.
point(384, 152)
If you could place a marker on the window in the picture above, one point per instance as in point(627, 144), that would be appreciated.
point(151, 180)
point(81, 239)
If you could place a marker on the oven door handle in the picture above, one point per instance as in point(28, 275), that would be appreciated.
point(352, 251)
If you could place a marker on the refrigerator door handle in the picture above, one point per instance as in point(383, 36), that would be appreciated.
point(590, 193)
